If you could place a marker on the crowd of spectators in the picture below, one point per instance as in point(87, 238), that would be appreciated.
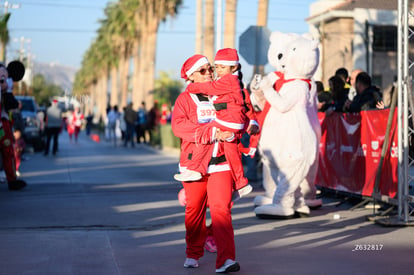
point(349, 93)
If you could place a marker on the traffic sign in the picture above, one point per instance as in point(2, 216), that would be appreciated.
point(254, 44)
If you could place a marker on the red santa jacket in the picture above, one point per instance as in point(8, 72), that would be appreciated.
point(190, 118)
point(228, 100)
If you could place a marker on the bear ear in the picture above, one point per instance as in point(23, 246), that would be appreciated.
point(16, 70)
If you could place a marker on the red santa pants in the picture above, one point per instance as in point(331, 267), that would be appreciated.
point(7, 151)
point(217, 187)
point(200, 159)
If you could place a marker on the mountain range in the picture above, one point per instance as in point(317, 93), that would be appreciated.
point(57, 74)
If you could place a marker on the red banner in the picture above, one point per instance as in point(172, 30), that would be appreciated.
point(350, 152)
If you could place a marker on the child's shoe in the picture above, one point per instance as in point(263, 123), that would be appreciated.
point(210, 245)
point(244, 191)
point(188, 175)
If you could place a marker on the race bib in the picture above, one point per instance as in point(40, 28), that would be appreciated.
point(205, 112)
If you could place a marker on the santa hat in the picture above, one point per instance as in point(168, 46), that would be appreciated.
point(227, 57)
point(192, 64)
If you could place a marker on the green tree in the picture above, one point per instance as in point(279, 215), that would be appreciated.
point(43, 91)
point(4, 35)
point(167, 89)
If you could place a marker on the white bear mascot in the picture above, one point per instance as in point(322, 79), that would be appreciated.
point(289, 139)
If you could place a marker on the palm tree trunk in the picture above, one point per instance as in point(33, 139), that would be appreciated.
point(114, 86)
point(150, 57)
point(103, 90)
point(137, 95)
point(209, 30)
point(199, 27)
point(262, 12)
point(230, 24)
point(123, 77)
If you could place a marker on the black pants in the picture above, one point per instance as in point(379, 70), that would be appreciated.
point(52, 132)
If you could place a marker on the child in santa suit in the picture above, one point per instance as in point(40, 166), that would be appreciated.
point(232, 114)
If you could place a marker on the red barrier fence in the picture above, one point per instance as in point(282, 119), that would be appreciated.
point(350, 152)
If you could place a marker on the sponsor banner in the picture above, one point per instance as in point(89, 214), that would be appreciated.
point(350, 152)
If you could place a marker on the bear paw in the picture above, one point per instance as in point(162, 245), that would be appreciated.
point(262, 200)
point(274, 211)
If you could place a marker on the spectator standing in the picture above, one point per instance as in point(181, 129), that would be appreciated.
point(53, 126)
point(130, 116)
point(324, 98)
point(113, 117)
point(122, 124)
point(89, 123)
point(339, 94)
point(153, 121)
point(367, 95)
point(142, 123)
point(352, 91)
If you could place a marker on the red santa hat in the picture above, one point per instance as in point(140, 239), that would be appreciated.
point(227, 57)
point(192, 64)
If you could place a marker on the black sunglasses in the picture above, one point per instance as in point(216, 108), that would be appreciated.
point(204, 70)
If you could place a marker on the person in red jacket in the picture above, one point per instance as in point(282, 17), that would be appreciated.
point(230, 115)
point(191, 122)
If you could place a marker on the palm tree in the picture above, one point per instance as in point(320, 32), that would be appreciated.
point(230, 24)
point(4, 35)
point(199, 37)
point(209, 29)
point(123, 35)
point(148, 18)
point(262, 12)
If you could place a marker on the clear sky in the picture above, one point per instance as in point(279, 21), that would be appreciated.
point(62, 30)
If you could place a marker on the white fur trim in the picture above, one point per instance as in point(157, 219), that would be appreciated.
point(236, 126)
point(254, 122)
point(197, 65)
point(226, 62)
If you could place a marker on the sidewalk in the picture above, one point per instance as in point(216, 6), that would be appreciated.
point(96, 209)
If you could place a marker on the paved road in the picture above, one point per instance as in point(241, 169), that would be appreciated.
point(96, 209)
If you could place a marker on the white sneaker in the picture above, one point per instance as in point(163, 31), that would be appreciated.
point(17, 173)
point(244, 191)
point(190, 263)
point(229, 266)
point(188, 175)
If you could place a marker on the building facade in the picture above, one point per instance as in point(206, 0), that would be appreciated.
point(357, 34)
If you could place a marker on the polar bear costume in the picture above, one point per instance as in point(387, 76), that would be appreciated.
point(289, 142)
point(277, 58)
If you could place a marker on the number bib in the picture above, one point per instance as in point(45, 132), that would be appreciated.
point(205, 110)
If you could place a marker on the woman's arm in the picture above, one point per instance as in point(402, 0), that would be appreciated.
point(187, 129)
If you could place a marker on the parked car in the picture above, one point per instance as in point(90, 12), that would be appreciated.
point(32, 127)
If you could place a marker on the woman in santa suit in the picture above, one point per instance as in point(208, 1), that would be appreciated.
point(190, 122)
